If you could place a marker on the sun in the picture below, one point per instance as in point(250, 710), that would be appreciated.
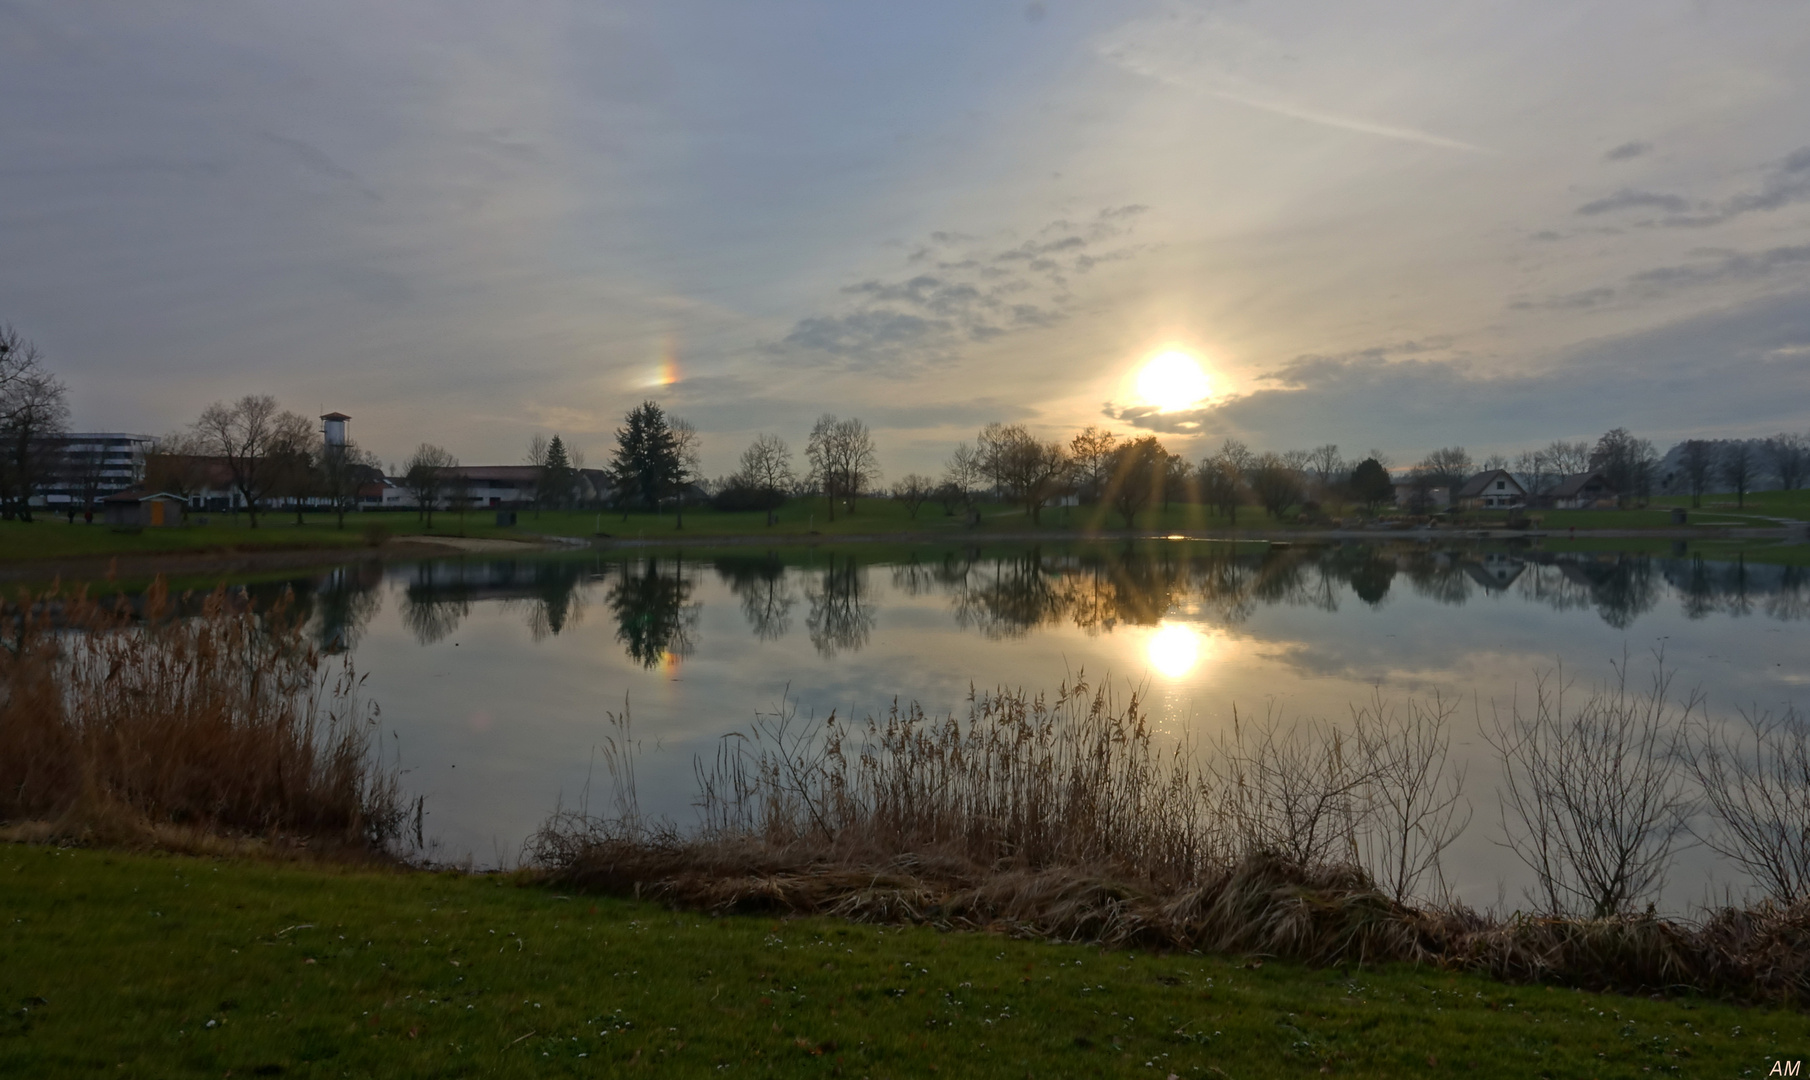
point(1172, 380)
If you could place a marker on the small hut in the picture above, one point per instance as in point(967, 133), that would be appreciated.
point(137, 508)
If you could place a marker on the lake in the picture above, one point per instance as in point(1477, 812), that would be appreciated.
point(495, 677)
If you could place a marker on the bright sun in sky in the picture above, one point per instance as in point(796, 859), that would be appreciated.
point(1172, 380)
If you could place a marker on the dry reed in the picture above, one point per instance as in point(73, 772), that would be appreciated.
point(135, 722)
point(1062, 818)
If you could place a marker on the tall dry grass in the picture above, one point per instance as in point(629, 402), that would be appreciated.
point(1066, 817)
point(121, 719)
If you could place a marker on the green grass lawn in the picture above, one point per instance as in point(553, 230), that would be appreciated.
point(139, 965)
point(1774, 504)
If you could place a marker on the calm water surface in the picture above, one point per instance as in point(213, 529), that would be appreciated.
point(495, 677)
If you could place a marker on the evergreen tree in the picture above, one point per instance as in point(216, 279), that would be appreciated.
point(647, 465)
point(557, 475)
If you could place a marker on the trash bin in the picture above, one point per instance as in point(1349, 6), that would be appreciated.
point(505, 517)
point(1679, 515)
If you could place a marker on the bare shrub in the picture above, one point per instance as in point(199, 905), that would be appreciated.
point(1295, 791)
point(1414, 803)
point(1756, 782)
point(1594, 799)
point(222, 719)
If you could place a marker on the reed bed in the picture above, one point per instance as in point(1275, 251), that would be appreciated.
point(1063, 817)
point(139, 722)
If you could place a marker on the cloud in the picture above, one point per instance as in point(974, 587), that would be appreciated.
point(1583, 298)
point(1628, 150)
point(1786, 183)
point(1630, 199)
point(1718, 267)
point(1726, 267)
point(1728, 371)
point(980, 291)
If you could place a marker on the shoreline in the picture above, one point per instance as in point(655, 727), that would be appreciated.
point(228, 562)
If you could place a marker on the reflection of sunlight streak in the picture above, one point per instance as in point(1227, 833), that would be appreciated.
point(1173, 650)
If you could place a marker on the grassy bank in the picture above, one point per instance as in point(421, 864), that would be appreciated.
point(142, 965)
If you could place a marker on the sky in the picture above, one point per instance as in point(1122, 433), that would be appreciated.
point(1396, 225)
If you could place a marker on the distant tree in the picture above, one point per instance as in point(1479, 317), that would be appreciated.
point(557, 476)
point(914, 490)
point(34, 408)
point(428, 475)
point(1627, 463)
point(951, 497)
point(294, 462)
point(1024, 468)
point(843, 460)
point(1698, 460)
point(250, 437)
point(1446, 468)
point(962, 475)
point(1567, 458)
point(1327, 467)
point(1277, 483)
point(646, 465)
point(1091, 452)
point(343, 470)
point(177, 463)
point(1371, 485)
point(688, 448)
point(1178, 481)
point(766, 473)
point(1138, 473)
point(1737, 467)
point(1789, 453)
point(1221, 478)
point(537, 459)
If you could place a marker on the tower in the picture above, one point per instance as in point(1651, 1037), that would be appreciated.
point(333, 430)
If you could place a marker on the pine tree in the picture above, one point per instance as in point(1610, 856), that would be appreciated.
point(647, 466)
point(556, 480)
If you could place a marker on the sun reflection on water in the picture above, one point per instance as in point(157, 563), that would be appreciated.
point(1174, 649)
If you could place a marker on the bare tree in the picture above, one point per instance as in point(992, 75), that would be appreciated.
point(245, 435)
point(1567, 458)
point(688, 445)
point(1221, 478)
point(1593, 800)
point(1328, 467)
point(1789, 453)
point(1277, 483)
point(1627, 463)
point(1139, 470)
point(843, 460)
point(1698, 459)
point(1757, 785)
point(1533, 470)
point(1736, 464)
point(34, 409)
point(914, 490)
point(766, 471)
point(343, 470)
point(1091, 452)
point(294, 462)
point(1294, 791)
point(1446, 468)
point(963, 473)
point(428, 474)
point(537, 457)
point(1026, 469)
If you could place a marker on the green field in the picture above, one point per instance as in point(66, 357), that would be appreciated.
point(143, 965)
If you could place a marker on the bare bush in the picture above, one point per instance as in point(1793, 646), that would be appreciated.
point(1294, 791)
point(1594, 799)
point(1756, 782)
point(1414, 798)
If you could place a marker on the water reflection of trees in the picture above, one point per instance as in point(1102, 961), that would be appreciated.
point(549, 595)
point(841, 615)
point(760, 583)
point(436, 599)
point(655, 616)
point(1008, 597)
point(344, 602)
